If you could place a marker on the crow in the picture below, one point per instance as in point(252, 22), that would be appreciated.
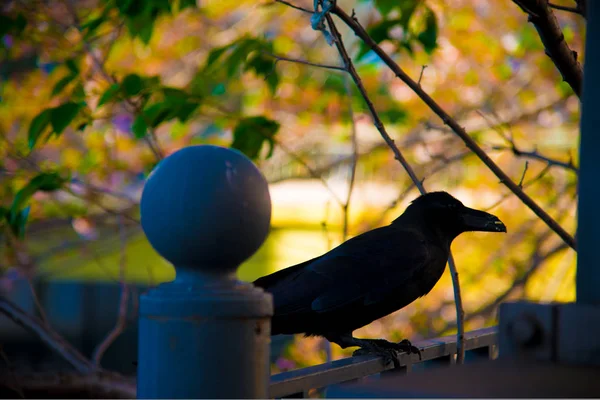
point(373, 274)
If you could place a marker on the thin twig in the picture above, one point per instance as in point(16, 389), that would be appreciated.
point(523, 176)
point(304, 62)
point(536, 262)
point(311, 171)
point(16, 387)
point(456, 128)
point(152, 140)
point(347, 61)
point(294, 7)
point(421, 74)
point(36, 301)
point(123, 302)
point(103, 385)
point(52, 339)
point(511, 145)
point(523, 186)
point(535, 155)
point(575, 10)
point(354, 162)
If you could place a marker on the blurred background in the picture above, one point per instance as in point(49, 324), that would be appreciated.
point(95, 92)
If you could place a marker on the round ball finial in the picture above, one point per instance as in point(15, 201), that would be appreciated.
point(206, 208)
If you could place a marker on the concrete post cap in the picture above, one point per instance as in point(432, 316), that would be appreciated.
point(206, 208)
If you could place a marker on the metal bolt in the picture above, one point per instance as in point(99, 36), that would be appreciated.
point(526, 331)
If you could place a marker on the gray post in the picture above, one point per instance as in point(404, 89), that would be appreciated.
point(206, 209)
point(588, 229)
point(570, 333)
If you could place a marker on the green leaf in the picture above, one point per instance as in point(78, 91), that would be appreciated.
point(379, 32)
point(215, 54)
point(10, 25)
point(141, 26)
point(239, 55)
point(63, 115)
point(407, 9)
point(264, 65)
point(139, 127)
point(130, 8)
point(132, 84)
point(18, 222)
point(38, 126)
point(428, 37)
point(19, 24)
point(45, 181)
point(72, 65)
point(61, 84)
point(251, 133)
point(385, 6)
point(92, 24)
point(187, 3)
point(109, 94)
point(78, 93)
point(394, 115)
point(156, 113)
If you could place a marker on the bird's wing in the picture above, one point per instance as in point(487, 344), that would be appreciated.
point(363, 269)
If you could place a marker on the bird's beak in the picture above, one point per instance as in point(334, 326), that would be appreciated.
point(475, 220)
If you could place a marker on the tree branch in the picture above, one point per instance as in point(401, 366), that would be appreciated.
point(123, 302)
point(535, 155)
point(574, 10)
point(541, 15)
point(294, 6)
point(103, 385)
point(52, 339)
point(456, 128)
point(337, 39)
point(304, 62)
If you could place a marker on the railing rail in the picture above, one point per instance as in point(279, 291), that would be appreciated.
point(297, 383)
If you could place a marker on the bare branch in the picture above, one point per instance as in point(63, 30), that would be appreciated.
point(354, 159)
point(523, 176)
point(123, 302)
point(299, 61)
point(294, 7)
point(347, 61)
point(456, 128)
point(15, 384)
point(152, 140)
point(52, 339)
point(575, 10)
point(103, 385)
point(311, 171)
point(421, 74)
point(541, 15)
point(535, 155)
point(523, 186)
point(536, 262)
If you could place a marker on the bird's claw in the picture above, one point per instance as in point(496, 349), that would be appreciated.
point(407, 347)
point(389, 355)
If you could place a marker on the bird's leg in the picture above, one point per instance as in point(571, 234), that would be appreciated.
point(388, 350)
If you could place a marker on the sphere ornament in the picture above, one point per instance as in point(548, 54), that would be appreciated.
point(206, 208)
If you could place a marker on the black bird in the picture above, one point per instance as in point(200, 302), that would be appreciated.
point(373, 274)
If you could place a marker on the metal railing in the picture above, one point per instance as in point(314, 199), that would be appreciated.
point(439, 351)
point(206, 209)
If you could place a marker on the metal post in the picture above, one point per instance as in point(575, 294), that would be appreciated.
point(570, 333)
point(205, 209)
point(588, 230)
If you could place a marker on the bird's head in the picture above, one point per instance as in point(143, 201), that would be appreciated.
point(445, 214)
